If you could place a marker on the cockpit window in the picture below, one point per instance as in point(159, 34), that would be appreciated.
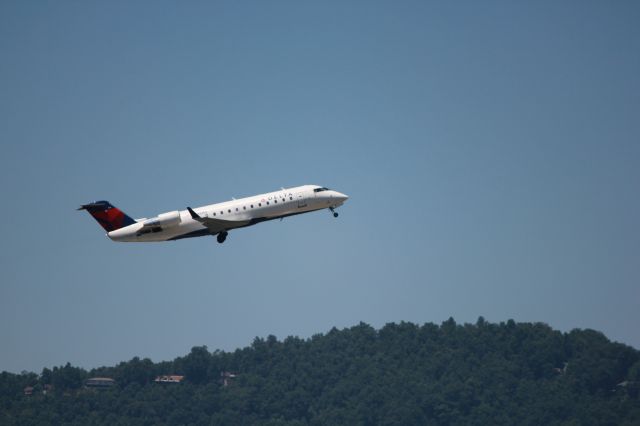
point(320, 189)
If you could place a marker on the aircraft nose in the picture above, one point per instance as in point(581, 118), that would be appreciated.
point(342, 197)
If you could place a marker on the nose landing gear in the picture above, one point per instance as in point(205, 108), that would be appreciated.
point(222, 236)
point(335, 213)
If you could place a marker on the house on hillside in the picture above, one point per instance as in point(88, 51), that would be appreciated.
point(227, 377)
point(170, 378)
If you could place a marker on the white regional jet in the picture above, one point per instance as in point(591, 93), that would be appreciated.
point(214, 219)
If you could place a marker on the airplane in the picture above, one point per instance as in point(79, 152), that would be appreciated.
point(214, 219)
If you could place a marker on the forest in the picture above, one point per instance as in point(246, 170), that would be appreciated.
point(485, 373)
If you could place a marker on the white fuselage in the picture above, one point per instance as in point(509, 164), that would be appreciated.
point(245, 211)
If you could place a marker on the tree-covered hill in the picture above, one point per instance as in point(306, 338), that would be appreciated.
point(403, 374)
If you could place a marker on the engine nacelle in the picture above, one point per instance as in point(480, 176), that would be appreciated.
point(164, 220)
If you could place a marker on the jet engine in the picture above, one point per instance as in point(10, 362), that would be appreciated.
point(164, 220)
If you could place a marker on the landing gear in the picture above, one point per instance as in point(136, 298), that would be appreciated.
point(335, 213)
point(222, 236)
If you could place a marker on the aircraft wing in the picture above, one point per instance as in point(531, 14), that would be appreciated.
point(216, 225)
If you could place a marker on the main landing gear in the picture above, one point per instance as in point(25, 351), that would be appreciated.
point(335, 213)
point(222, 236)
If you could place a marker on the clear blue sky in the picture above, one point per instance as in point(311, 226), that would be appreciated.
point(491, 151)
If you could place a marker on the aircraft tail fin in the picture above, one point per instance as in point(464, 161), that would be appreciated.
point(108, 216)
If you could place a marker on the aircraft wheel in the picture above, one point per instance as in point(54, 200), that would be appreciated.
point(335, 214)
point(221, 237)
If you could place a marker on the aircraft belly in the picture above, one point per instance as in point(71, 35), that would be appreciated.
point(170, 233)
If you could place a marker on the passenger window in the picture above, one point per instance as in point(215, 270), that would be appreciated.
point(244, 207)
point(291, 198)
point(267, 203)
point(259, 204)
point(214, 213)
point(275, 201)
point(236, 209)
point(251, 205)
point(229, 210)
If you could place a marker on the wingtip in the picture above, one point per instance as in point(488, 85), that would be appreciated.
point(193, 214)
